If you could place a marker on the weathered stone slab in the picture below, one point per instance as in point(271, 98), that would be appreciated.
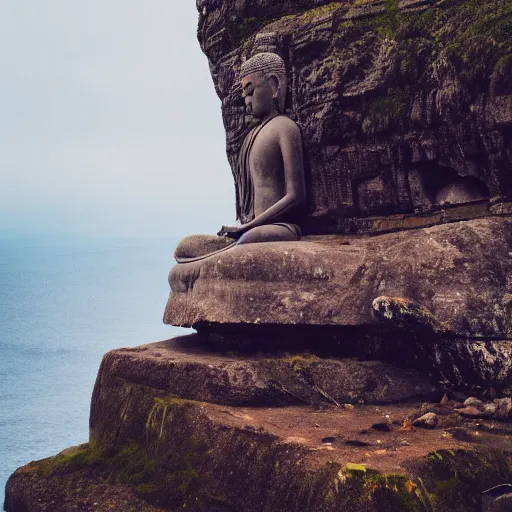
point(176, 454)
point(480, 365)
point(186, 368)
point(461, 272)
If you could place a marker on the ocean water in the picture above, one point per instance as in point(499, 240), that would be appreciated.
point(64, 302)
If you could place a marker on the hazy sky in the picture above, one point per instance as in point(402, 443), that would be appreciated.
point(109, 122)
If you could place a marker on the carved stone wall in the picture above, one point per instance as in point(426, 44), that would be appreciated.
point(406, 106)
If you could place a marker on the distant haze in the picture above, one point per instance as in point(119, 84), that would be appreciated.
point(109, 121)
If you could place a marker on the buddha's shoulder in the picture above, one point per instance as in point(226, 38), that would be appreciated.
point(284, 123)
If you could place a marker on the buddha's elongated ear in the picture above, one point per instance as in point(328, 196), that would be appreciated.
point(275, 85)
point(278, 86)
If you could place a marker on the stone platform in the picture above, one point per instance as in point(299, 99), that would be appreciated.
point(187, 368)
point(175, 425)
point(333, 281)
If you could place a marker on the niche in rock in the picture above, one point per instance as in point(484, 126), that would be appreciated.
point(375, 196)
point(431, 184)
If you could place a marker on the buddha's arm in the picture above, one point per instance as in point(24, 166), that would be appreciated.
point(290, 142)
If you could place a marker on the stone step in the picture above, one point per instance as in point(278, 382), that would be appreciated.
point(189, 368)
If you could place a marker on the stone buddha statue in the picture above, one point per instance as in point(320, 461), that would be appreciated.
point(270, 170)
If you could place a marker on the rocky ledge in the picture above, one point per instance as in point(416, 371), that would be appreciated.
point(176, 426)
point(333, 281)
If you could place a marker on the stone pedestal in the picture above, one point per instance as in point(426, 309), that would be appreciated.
point(436, 299)
point(333, 281)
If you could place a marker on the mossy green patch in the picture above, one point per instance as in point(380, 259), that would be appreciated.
point(179, 461)
point(298, 361)
point(355, 467)
point(389, 21)
point(455, 478)
point(319, 12)
point(384, 491)
point(160, 475)
point(384, 110)
point(436, 455)
point(166, 478)
point(71, 459)
point(475, 36)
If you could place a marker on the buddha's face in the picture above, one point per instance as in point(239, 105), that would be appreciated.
point(258, 94)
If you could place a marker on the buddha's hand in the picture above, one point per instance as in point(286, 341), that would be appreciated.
point(231, 231)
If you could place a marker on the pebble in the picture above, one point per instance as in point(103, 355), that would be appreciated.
point(428, 420)
point(490, 408)
point(473, 401)
point(499, 409)
point(469, 412)
point(503, 408)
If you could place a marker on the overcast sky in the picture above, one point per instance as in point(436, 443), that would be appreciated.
point(109, 122)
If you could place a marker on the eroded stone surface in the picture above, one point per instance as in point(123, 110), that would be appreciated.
point(206, 458)
point(460, 272)
point(481, 365)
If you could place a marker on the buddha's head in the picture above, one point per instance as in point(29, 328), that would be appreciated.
point(263, 80)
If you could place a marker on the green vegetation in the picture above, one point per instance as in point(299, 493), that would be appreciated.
point(304, 359)
point(355, 467)
point(156, 473)
point(241, 30)
point(182, 473)
point(319, 12)
point(456, 477)
point(384, 491)
point(472, 36)
point(70, 460)
point(483, 39)
point(383, 111)
point(133, 466)
point(389, 21)
point(451, 479)
point(436, 455)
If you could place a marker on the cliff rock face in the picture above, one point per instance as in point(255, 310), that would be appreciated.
point(178, 425)
point(333, 373)
point(405, 105)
